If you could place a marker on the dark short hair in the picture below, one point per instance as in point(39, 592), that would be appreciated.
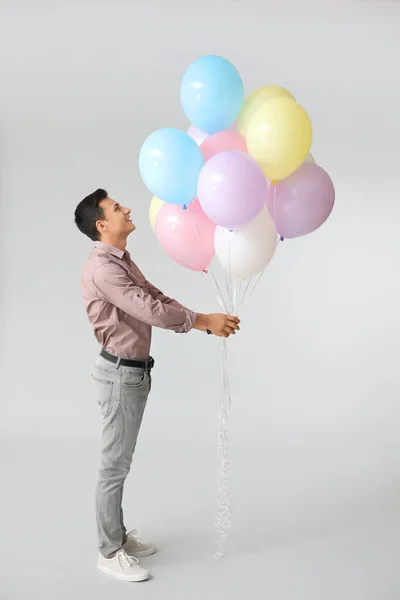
point(88, 212)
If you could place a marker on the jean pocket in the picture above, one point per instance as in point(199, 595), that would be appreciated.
point(103, 392)
point(133, 377)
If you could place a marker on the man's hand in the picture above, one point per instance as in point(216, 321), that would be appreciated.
point(219, 324)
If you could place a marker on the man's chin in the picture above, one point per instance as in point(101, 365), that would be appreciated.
point(132, 227)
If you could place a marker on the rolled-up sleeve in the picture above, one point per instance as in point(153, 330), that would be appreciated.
point(158, 295)
point(112, 284)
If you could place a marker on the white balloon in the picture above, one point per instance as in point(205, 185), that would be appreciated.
point(244, 252)
point(310, 158)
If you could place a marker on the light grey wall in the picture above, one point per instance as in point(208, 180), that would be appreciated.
point(316, 362)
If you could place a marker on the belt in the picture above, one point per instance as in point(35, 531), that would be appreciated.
point(146, 365)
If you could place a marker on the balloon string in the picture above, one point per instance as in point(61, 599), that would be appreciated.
point(235, 301)
point(214, 284)
point(222, 503)
point(245, 292)
point(223, 521)
point(230, 283)
point(239, 291)
point(249, 290)
point(251, 287)
point(234, 296)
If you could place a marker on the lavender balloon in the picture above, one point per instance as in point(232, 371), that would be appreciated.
point(302, 202)
point(232, 189)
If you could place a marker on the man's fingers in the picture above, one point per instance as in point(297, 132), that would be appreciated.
point(226, 325)
point(232, 320)
point(229, 330)
point(232, 324)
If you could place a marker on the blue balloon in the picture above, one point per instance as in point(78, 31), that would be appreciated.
point(170, 162)
point(212, 93)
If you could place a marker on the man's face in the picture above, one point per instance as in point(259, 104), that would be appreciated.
point(117, 222)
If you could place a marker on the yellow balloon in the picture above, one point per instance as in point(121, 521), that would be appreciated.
point(155, 206)
point(279, 137)
point(255, 100)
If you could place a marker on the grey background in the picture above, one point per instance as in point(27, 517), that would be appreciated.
point(314, 425)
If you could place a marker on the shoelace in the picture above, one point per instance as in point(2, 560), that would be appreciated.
point(128, 560)
point(131, 535)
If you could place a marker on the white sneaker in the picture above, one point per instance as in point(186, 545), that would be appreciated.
point(123, 567)
point(135, 547)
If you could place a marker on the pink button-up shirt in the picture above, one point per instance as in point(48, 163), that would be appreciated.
point(123, 306)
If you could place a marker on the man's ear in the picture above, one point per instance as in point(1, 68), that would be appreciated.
point(101, 226)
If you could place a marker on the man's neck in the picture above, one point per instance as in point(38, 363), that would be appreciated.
point(119, 243)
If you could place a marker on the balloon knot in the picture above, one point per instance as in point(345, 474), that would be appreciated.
point(205, 271)
point(184, 207)
point(282, 238)
point(274, 182)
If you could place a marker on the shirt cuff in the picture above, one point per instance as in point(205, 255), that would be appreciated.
point(189, 321)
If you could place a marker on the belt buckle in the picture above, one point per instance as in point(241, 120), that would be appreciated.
point(150, 363)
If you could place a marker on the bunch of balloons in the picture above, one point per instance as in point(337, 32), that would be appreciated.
point(241, 175)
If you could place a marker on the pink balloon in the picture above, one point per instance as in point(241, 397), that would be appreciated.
point(197, 135)
point(303, 201)
point(222, 141)
point(200, 136)
point(232, 189)
point(187, 236)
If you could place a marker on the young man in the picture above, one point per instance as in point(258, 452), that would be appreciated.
point(122, 307)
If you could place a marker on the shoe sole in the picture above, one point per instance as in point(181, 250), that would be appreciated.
point(123, 577)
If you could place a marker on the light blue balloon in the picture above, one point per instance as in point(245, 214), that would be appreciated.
point(212, 93)
point(170, 162)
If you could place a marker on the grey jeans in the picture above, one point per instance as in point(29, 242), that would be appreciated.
point(122, 396)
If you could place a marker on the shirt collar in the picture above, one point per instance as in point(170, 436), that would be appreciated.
point(111, 249)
